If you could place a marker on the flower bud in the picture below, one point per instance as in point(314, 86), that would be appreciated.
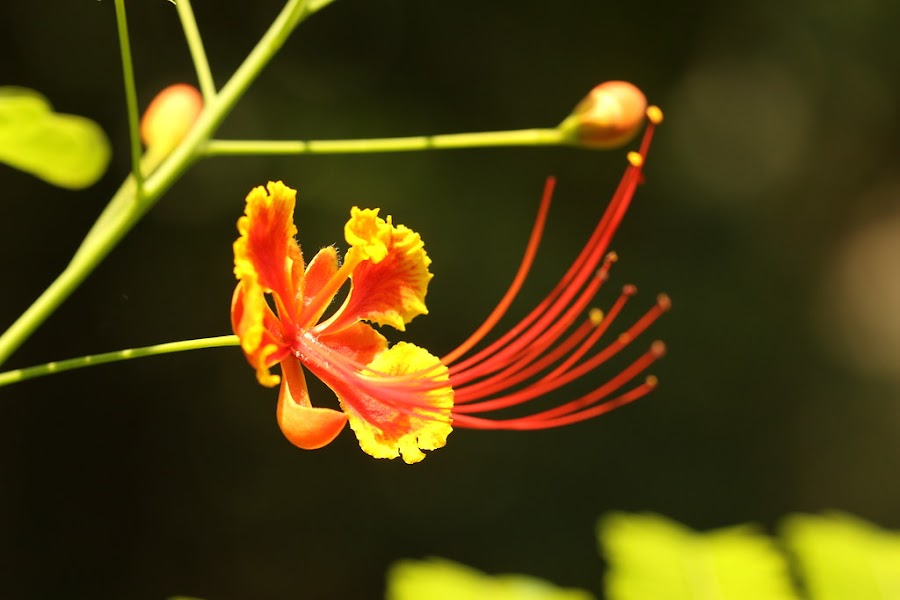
point(169, 117)
point(609, 116)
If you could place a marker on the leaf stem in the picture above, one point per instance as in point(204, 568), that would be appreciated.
point(519, 137)
point(127, 206)
point(10, 377)
point(130, 97)
point(198, 53)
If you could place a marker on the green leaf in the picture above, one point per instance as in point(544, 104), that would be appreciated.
point(441, 579)
point(65, 150)
point(842, 557)
point(653, 557)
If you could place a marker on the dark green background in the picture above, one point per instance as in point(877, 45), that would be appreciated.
point(169, 475)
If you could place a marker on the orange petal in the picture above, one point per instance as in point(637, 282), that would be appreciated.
point(389, 286)
point(304, 425)
point(266, 250)
point(319, 271)
point(359, 342)
point(259, 331)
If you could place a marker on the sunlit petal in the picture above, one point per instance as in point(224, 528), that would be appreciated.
point(397, 417)
point(304, 425)
point(390, 290)
point(266, 249)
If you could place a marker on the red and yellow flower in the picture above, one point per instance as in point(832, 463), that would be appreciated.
point(401, 400)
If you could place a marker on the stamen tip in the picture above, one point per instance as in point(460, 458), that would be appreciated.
point(596, 316)
point(629, 290)
point(658, 348)
point(611, 257)
point(655, 114)
point(635, 159)
point(664, 302)
point(651, 381)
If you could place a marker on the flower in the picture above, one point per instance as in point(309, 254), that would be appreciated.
point(401, 400)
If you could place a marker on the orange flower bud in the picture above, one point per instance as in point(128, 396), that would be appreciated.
point(170, 116)
point(609, 116)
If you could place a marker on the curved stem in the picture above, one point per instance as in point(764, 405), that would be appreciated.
point(9, 377)
point(519, 137)
point(124, 210)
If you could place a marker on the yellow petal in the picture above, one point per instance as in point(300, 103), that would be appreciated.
point(390, 290)
point(411, 415)
point(367, 234)
point(258, 329)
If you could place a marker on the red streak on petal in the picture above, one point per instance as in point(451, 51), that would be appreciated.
point(406, 394)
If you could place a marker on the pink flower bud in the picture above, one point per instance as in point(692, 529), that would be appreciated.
point(609, 116)
point(170, 116)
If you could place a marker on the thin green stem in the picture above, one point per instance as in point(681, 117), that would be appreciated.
point(198, 53)
point(519, 137)
point(214, 113)
point(125, 210)
point(130, 97)
point(9, 377)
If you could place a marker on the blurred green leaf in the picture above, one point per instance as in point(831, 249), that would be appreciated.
point(440, 579)
point(653, 557)
point(65, 150)
point(842, 557)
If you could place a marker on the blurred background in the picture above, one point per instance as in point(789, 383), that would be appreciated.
point(771, 215)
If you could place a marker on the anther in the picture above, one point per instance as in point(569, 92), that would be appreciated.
point(635, 159)
point(596, 316)
point(655, 114)
point(664, 302)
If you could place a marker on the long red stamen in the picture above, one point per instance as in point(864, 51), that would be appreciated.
point(524, 424)
point(540, 321)
point(577, 273)
point(546, 385)
point(534, 241)
point(503, 381)
point(546, 350)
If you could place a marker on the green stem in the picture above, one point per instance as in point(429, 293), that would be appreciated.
point(198, 53)
point(130, 96)
point(9, 377)
point(520, 137)
point(124, 211)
